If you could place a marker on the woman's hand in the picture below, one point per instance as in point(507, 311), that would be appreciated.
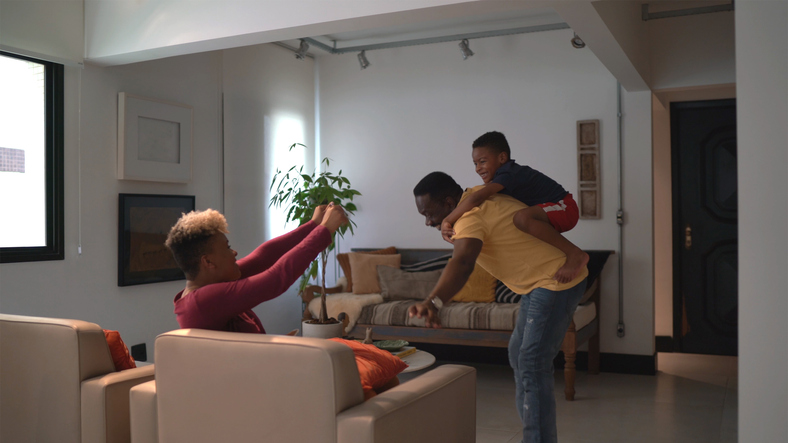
point(317, 216)
point(334, 217)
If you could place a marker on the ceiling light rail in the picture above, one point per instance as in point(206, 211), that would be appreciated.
point(426, 41)
point(682, 12)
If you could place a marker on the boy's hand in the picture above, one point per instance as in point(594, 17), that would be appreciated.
point(447, 231)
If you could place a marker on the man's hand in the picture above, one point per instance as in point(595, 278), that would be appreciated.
point(428, 312)
point(447, 231)
point(334, 217)
point(317, 216)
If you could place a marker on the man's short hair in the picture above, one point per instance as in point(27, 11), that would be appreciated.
point(438, 185)
point(495, 141)
point(188, 239)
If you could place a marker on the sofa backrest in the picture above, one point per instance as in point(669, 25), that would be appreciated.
point(43, 361)
point(224, 386)
point(412, 255)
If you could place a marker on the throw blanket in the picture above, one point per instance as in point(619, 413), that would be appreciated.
point(347, 302)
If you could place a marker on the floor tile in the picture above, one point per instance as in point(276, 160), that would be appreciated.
point(692, 399)
point(494, 436)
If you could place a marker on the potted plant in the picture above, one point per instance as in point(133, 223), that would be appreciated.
point(300, 194)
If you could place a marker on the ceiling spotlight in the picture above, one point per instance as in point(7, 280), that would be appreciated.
point(466, 51)
point(302, 48)
point(577, 42)
point(362, 60)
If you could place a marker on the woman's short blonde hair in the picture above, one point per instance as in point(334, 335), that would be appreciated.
point(188, 239)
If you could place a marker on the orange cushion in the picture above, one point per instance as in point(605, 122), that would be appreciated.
point(480, 287)
point(344, 263)
point(119, 351)
point(376, 367)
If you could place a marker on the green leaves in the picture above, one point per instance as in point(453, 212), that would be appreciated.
point(299, 194)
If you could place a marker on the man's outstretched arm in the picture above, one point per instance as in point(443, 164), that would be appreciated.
point(452, 280)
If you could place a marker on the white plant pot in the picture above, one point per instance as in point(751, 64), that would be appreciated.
point(321, 331)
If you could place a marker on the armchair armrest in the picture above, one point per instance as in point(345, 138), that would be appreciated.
point(143, 414)
point(105, 404)
point(447, 395)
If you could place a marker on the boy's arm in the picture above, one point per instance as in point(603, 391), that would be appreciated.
point(470, 202)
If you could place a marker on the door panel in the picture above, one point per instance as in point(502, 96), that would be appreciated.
point(703, 136)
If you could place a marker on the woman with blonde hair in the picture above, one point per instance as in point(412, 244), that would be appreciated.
point(220, 291)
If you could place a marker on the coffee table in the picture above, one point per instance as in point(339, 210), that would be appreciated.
point(418, 361)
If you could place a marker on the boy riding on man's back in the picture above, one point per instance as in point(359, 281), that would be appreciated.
point(551, 209)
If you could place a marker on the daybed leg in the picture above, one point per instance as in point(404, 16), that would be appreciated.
point(570, 355)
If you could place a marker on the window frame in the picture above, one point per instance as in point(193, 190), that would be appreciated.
point(55, 130)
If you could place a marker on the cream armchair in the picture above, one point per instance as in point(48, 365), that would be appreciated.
point(221, 386)
point(58, 383)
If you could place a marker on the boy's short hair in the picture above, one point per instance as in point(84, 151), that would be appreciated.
point(188, 239)
point(438, 185)
point(494, 141)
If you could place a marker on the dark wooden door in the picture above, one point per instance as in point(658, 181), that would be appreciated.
point(705, 249)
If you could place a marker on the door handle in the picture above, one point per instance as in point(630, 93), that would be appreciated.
point(687, 237)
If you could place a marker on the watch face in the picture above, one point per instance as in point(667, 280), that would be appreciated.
point(437, 302)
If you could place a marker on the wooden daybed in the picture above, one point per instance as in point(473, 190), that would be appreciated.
point(587, 333)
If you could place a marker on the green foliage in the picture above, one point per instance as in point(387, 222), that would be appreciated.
point(301, 193)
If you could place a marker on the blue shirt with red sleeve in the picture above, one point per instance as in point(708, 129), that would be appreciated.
point(527, 184)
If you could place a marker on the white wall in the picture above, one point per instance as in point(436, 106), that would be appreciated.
point(85, 286)
point(762, 113)
point(418, 109)
point(269, 104)
point(692, 50)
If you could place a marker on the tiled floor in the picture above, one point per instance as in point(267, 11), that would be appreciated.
point(692, 398)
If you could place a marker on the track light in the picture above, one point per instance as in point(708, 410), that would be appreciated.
point(577, 42)
point(362, 60)
point(466, 51)
point(302, 48)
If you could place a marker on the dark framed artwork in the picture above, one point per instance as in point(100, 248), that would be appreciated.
point(144, 220)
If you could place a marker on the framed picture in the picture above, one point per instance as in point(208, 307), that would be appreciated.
point(144, 220)
point(154, 140)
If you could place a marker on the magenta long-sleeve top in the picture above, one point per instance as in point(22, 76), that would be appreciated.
point(266, 273)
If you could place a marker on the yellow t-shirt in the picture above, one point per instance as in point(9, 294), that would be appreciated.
point(521, 261)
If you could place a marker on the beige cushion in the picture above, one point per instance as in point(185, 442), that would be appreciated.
point(344, 263)
point(365, 273)
point(396, 284)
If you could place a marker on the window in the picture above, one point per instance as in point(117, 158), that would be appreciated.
point(31, 159)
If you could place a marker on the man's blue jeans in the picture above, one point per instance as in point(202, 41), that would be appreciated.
point(541, 325)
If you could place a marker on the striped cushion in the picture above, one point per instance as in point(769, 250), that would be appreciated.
point(480, 316)
point(433, 264)
point(505, 295)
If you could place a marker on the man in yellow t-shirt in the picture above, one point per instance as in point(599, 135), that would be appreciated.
point(486, 235)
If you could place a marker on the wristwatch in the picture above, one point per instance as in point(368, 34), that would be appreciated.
point(437, 302)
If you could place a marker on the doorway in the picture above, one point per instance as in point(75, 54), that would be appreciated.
point(705, 246)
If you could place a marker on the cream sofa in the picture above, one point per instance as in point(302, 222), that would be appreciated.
point(58, 383)
point(222, 386)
